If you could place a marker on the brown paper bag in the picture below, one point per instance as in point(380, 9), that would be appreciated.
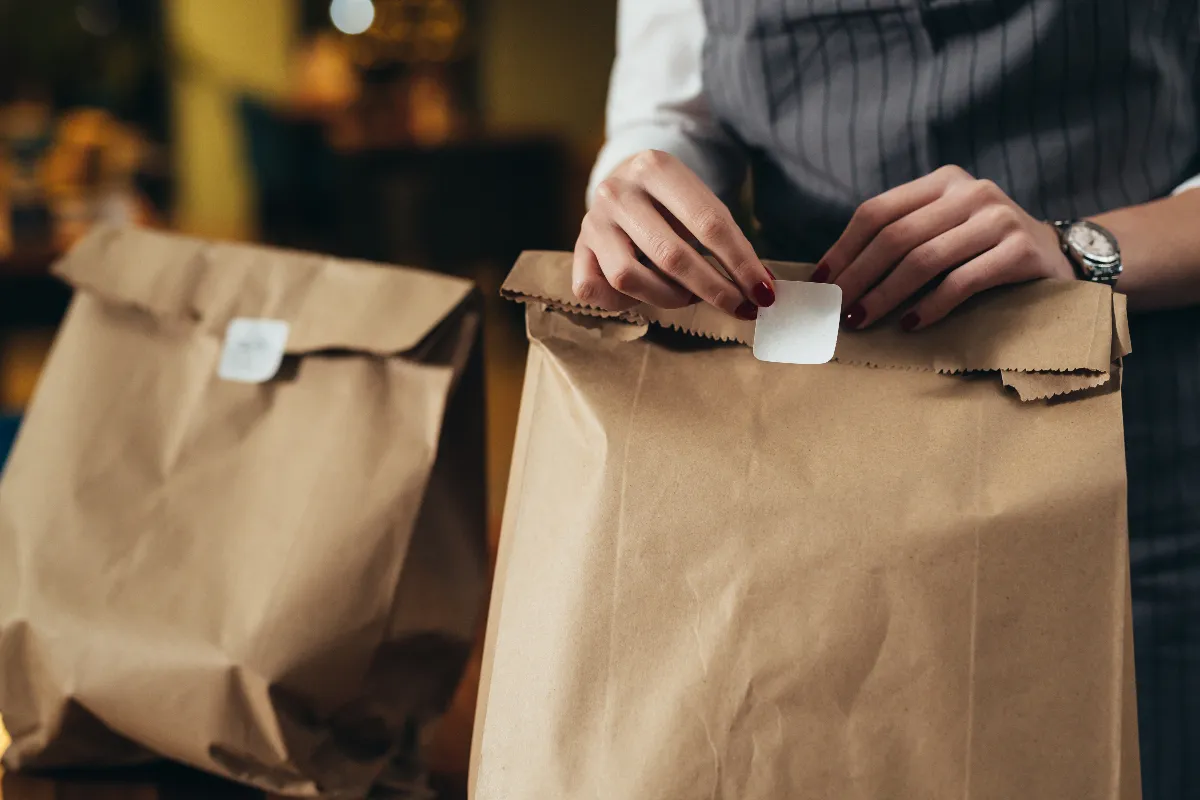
point(276, 582)
point(722, 578)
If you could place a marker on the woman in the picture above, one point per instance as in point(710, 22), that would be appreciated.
point(913, 144)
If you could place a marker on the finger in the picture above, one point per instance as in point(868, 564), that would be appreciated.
point(680, 229)
point(877, 213)
point(675, 259)
point(1008, 262)
point(687, 236)
point(590, 286)
point(895, 243)
point(617, 255)
point(958, 245)
point(688, 199)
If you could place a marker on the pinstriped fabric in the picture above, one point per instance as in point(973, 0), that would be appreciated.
point(791, 98)
point(1073, 107)
point(1004, 107)
point(1094, 57)
point(881, 43)
point(1162, 434)
point(1036, 107)
point(1019, 91)
point(1066, 42)
point(972, 74)
point(910, 126)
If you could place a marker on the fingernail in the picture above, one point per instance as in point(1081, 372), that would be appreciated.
point(909, 321)
point(820, 274)
point(772, 274)
point(764, 295)
point(854, 316)
point(747, 311)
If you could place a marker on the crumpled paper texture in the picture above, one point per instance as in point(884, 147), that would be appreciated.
point(278, 582)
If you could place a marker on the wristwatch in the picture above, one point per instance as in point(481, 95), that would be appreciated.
point(1091, 249)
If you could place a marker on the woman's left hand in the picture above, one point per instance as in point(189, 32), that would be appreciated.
point(947, 223)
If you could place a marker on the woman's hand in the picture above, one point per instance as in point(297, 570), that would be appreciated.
point(945, 224)
point(640, 243)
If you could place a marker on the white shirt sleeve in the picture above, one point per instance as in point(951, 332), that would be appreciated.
point(656, 95)
point(1191, 183)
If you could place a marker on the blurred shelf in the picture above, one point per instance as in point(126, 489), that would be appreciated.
point(29, 296)
point(28, 262)
point(443, 206)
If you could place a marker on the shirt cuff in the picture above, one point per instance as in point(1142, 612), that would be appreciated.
point(1194, 183)
point(706, 159)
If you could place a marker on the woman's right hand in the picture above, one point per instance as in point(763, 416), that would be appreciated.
point(640, 243)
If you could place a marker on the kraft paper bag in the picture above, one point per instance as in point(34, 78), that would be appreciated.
point(276, 582)
point(903, 574)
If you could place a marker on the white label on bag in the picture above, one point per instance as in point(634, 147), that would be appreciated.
point(254, 350)
point(801, 327)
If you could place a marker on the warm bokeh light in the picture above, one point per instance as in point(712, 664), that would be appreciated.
point(352, 16)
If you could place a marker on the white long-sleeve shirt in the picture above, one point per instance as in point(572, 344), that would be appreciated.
point(656, 97)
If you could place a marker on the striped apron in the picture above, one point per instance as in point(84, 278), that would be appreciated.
point(1073, 107)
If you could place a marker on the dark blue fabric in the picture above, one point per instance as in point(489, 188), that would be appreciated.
point(1161, 393)
point(8, 432)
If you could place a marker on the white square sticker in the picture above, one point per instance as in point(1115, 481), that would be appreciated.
point(254, 350)
point(801, 327)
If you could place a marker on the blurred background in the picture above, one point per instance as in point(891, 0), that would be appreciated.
point(443, 134)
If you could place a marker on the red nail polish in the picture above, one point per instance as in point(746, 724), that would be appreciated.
point(772, 274)
point(854, 316)
point(764, 295)
point(820, 274)
point(909, 321)
point(747, 311)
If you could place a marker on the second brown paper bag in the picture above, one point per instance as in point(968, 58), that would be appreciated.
point(900, 575)
point(276, 582)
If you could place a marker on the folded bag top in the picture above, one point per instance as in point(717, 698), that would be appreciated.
point(1045, 338)
point(330, 304)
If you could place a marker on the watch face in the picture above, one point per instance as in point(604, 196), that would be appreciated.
point(1092, 242)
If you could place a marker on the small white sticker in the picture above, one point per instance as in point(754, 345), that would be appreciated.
point(254, 350)
point(801, 327)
